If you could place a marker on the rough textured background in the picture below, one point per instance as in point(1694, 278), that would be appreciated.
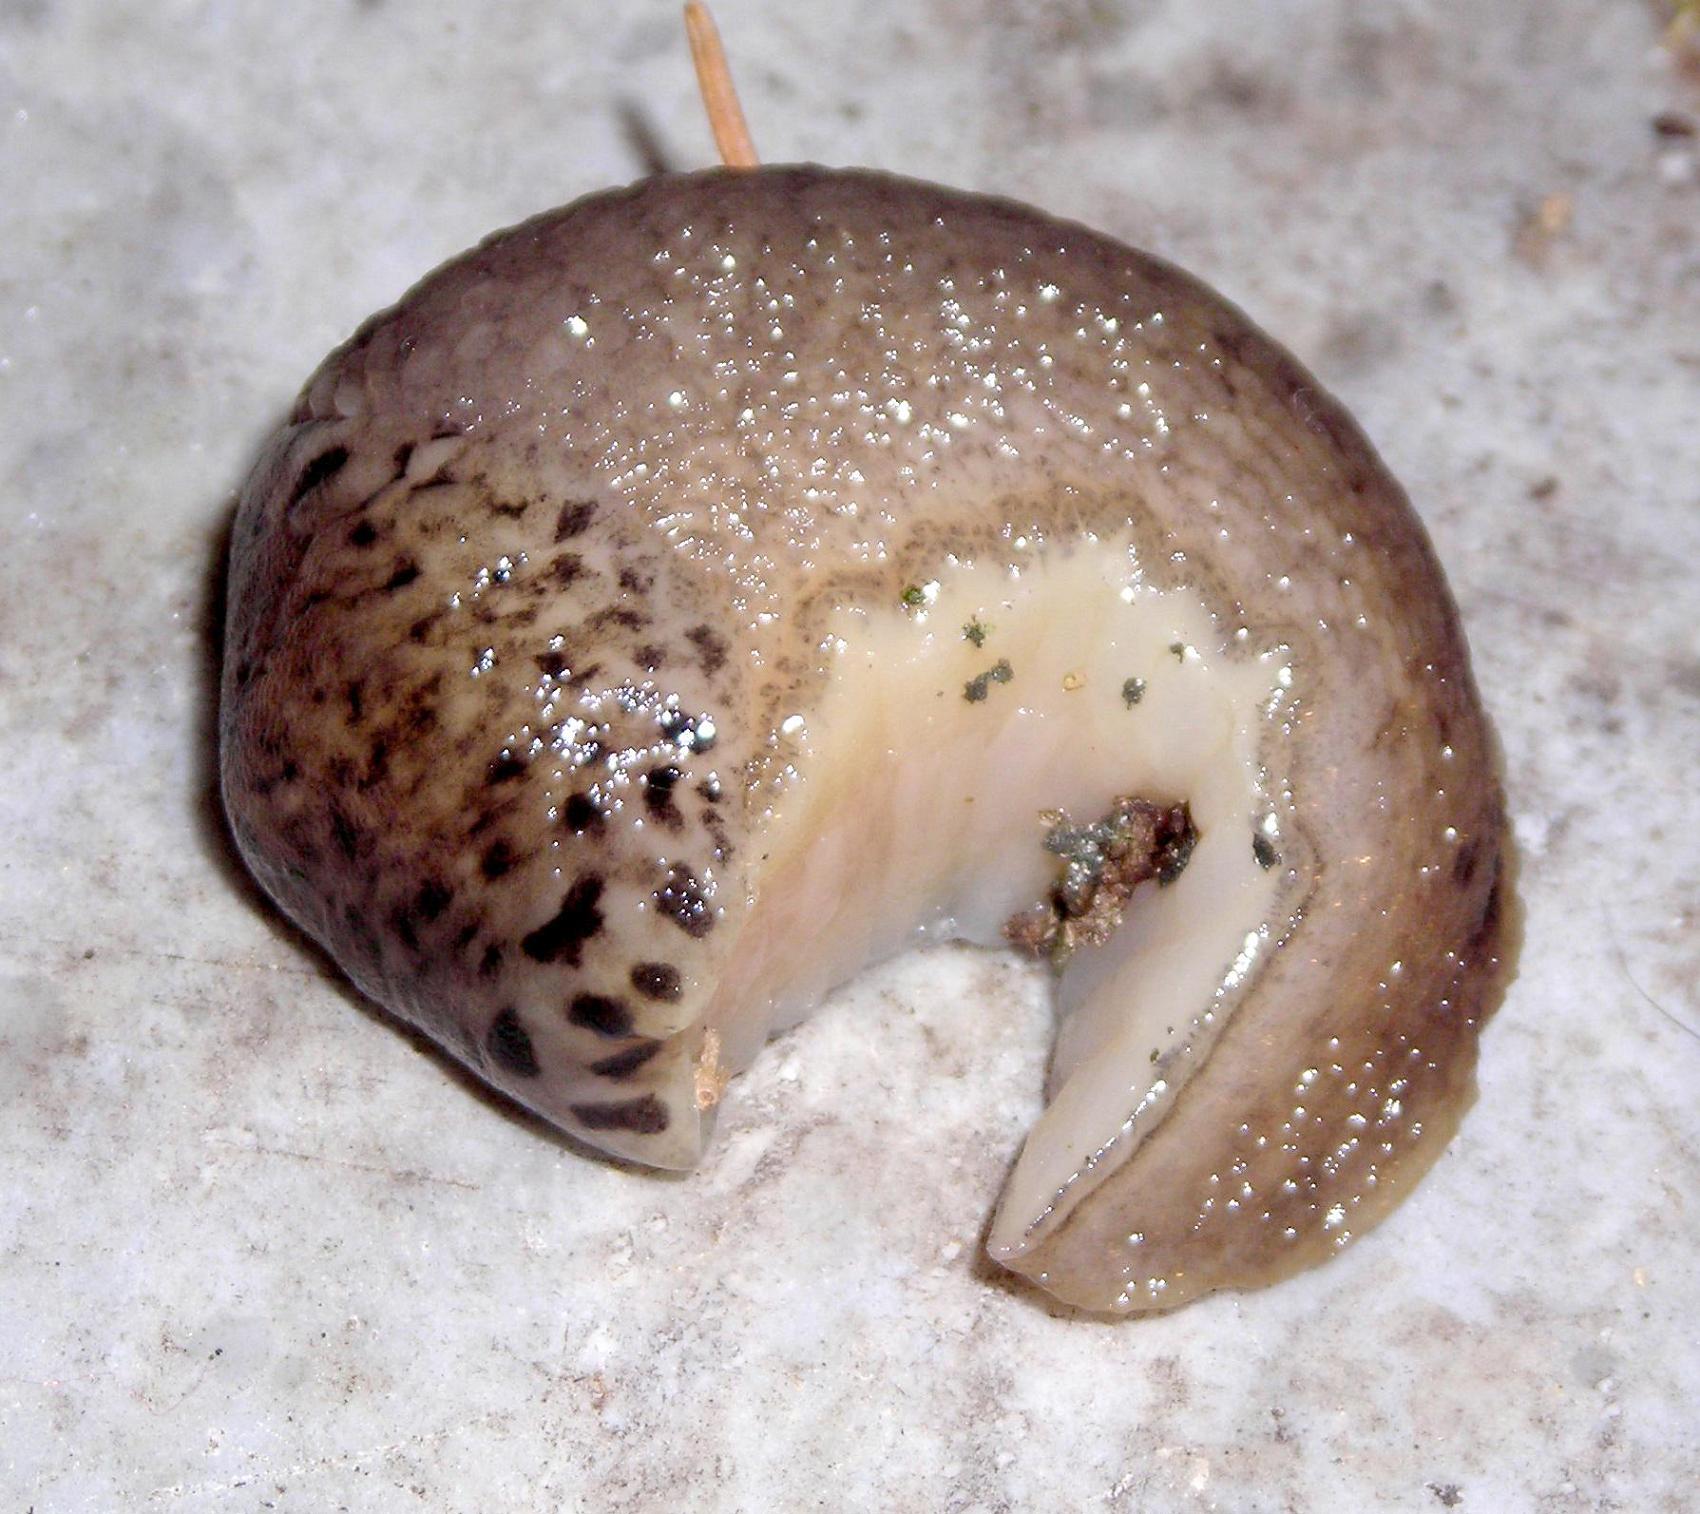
point(258, 1251)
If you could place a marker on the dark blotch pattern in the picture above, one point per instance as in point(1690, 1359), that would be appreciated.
point(325, 466)
point(711, 648)
point(656, 980)
point(607, 1017)
point(684, 901)
point(562, 938)
point(343, 833)
point(658, 796)
point(401, 922)
point(509, 1046)
point(580, 812)
point(575, 518)
point(503, 769)
point(498, 858)
point(433, 899)
point(1464, 864)
point(624, 1063)
point(645, 1116)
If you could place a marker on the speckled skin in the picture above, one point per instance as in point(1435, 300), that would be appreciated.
point(585, 496)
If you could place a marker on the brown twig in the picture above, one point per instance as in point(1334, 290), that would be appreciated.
point(719, 95)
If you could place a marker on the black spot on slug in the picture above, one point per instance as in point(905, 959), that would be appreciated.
point(509, 1046)
point(325, 466)
point(491, 962)
point(405, 572)
point(433, 898)
point(567, 568)
point(711, 648)
point(580, 812)
point(656, 980)
point(343, 833)
point(607, 1017)
point(1464, 864)
point(624, 1063)
point(552, 663)
point(401, 922)
point(684, 901)
point(645, 1116)
point(503, 769)
point(497, 859)
point(658, 795)
point(578, 919)
point(363, 535)
point(1483, 938)
point(418, 715)
point(575, 517)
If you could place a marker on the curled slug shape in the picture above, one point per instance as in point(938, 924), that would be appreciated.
point(695, 594)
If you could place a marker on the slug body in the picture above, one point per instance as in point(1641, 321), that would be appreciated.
point(692, 595)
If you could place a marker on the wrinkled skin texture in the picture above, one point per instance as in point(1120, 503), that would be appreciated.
point(523, 593)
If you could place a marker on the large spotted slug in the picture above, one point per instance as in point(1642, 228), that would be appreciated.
point(692, 595)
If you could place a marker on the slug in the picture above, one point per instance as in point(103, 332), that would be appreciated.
point(697, 593)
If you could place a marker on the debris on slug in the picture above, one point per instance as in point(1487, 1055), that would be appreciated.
point(978, 687)
point(1102, 865)
point(919, 596)
point(1179, 649)
point(1073, 682)
point(1133, 690)
point(711, 1078)
point(976, 631)
point(1263, 850)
